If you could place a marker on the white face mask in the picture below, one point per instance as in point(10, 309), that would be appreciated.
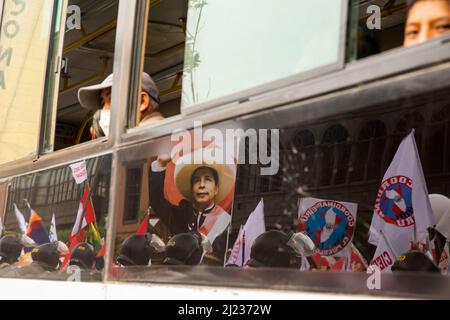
point(105, 117)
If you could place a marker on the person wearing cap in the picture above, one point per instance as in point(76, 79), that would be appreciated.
point(426, 19)
point(184, 249)
point(137, 250)
point(276, 249)
point(98, 98)
point(203, 185)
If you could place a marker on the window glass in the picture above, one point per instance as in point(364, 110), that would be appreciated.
point(53, 231)
point(233, 46)
point(80, 91)
point(24, 25)
point(313, 212)
point(161, 57)
point(378, 26)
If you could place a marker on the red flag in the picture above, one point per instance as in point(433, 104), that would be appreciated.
point(143, 227)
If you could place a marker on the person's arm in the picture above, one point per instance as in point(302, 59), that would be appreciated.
point(163, 208)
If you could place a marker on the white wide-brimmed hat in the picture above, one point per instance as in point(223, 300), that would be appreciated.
point(186, 166)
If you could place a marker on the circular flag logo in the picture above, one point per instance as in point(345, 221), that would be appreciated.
point(330, 225)
point(394, 201)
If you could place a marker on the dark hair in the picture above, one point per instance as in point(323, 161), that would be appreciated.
point(411, 3)
point(214, 172)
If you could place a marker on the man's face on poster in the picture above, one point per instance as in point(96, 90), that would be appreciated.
point(204, 187)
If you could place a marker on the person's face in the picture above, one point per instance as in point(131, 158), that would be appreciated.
point(105, 96)
point(204, 188)
point(427, 19)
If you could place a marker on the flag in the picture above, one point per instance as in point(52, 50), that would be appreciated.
point(444, 260)
point(20, 220)
point(36, 229)
point(354, 262)
point(236, 253)
point(79, 172)
point(253, 228)
point(52, 234)
point(402, 212)
point(1, 228)
point(84, 229)
point(142, 230)
point(330, 224)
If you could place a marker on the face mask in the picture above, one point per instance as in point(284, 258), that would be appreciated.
point(105, 117)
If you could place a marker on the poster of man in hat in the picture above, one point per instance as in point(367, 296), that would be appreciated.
point(203, 184)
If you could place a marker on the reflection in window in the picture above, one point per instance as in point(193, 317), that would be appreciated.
point(36, 200)
point(369, 151)
point(334, 155)
point(133, 192)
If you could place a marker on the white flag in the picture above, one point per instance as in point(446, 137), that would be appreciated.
point(52, 234)
point(402, 212)
point(236, 253)
point(1, 227)
point(21, 220)
point(254, 227)
point(330, 224)
point(79, 172)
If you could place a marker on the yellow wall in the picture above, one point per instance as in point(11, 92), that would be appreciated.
point(22, 95)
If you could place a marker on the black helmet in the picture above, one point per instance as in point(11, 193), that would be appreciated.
point(83, 256)
point(414, 261)
point(271, 249)
point(47, 256)
point(184, 249)
point(10, 249)
point(136, 250)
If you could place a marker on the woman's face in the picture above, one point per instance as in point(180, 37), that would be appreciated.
point(427, 19)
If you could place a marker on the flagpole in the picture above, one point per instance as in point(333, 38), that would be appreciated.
point(243, 247)
point(448, 257)
point(85, 205)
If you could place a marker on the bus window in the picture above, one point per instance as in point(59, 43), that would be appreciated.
point(58, 217)
point(378, 26)
point(233, 47)
point(85, 77)
point(162, 65)
point(24, 25)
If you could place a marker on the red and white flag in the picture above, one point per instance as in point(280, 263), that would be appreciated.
point(254, 227)
point(81, 223)
point(329, 223)
point(444, 260)
point(236, 253)
point(402, 212)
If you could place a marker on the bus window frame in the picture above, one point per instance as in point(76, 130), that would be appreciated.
point(2, 4)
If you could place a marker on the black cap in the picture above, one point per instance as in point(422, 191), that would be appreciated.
point(47, 256)
point(414, 261)
point(10, 249)
point(184, 249)
point(83, 256)
point(136, 250)
point(270, 250)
